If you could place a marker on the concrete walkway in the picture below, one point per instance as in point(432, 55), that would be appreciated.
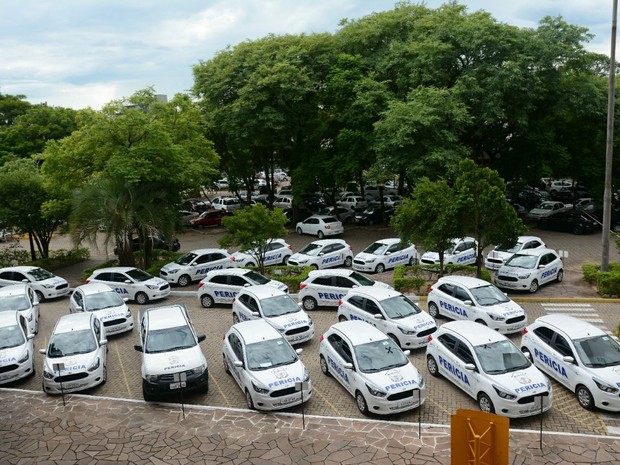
point(37, 428)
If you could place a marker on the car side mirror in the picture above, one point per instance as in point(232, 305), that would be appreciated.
point(407, 352)
point(127, 281)
point(201, 338)
point(568, 359)
point(528, 355)
point(103, 342)
point(378, 316)
point(138, 348)
point(238, 363)
point(42, 351)
point(321, 254)
point(468, 303)
point(347, 366)
point(125, 299)
point(255, 314)
point(388, 253)
point(299, 351)
point(470, 367)
point(30, 336)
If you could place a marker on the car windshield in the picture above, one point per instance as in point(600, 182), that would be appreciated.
point(186, 259)
point(399, 307)
point(598, 352)
point(379, 356)
point(279, 305)
point(369, 210)
point(376, 248)
point(361, 279)
point(139, 275)
point(101, 300)
point(256, 278)
point(509, 248)
point(269, 354)
point(311, 249)
point(545, 206)
point(72, 343)
point(169, 339)
point(522, 261)
point(14, 302)
point(501, 357)
point(11, 336)
point(488, 295)
point(39, 274)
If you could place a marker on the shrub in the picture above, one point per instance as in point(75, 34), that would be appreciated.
point(418, 278)
point(13, 255)
point(292, 276)
point(159, 259)
point(61, 258)
point(608, 283)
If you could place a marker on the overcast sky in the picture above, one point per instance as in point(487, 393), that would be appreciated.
point(84, 53)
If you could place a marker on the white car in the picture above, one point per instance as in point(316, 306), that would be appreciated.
point(385, 254)
point(320, 226)
point(462, 252)
point(547, 208)
point(325, 288)
point(284, 202)
point(275, 252)
point(75, 358)
point(45, 284)
point(353, 202)
point(466, 298)
point(530, 269)
point(372, 368)
point(498, 256)
point(277, 308)
point(487, 366)
point(172, 360)
point(194, 265)
point(104, 302)
point(21, 297)
point(16, 347)
point(265, 366)
point(325, 253)
point(388, 201)
point(222, 286)
point(226, 203)
point(577, 354)
point(131, 283)
point(391, 312)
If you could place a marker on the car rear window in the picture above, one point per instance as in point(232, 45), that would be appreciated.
point(330, 219)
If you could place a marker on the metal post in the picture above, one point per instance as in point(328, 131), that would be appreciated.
point(419, 414)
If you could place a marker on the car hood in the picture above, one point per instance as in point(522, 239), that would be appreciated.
point(503, 256)
point(394, 380)
point(529, 381)
point(302, 256)
point(172, 266)
point(514, 270)
point(112, 313)
point(281, 377)
point(609, 375)
point(420, 322)
point(54, 281)
point(508, 309)
point(11, 355)
point(290, 320)
point(72, 363)
point(173, 362)
point(278, 285)
point(432, 256)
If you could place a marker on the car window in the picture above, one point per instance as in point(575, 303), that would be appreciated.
point(336, 247)
point(219, 279)
point(340, 347)
point(236, 346)
point(97, 326)
point(323, 280)
point(341, 281)
point(356, 301)
point(461, 293)
point(79, 300)
point(463, 352)
point(394, 248)
point(448, 341)
point(561, 345)
point(545, 334)
point(371, 307)
point(8, 275)
point(328, 248)
point(119, 278)
point(447, 288)
point(217, 256)
point(330, 219)
point(205, 258)
point(237, 281)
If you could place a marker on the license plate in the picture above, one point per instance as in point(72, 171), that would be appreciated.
point(180, 385)
point(405, 403)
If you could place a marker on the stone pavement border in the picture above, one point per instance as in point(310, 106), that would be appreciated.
point(37, 428)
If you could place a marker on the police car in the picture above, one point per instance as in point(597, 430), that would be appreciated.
point(16, 347)
point(265, 366)
point(172, 360)
point(371, 367)
point(222, 286)
point(488, 367)
point(325, 253)
point(498, 256)
point(461, 252)
point(75, 358)
point(325, 288)
point(21, 297)
point(277, 308)
point(194, 265)
point(131, 283)
point(45, 284)
point(275, 252)
point(582, 357)
point(385, 254)
point(391, 312)
point(108, 305)
point(530, 269)
point(465, 298)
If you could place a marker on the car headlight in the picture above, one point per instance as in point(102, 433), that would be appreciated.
point(128, 314)
point(302, 261)
point(503, 394)
point(375, 392)
point(199, 370)
point(31, 317)
point(604, 386)
point(152, 378)
point(371, 260)
point(421, 382)
point(260, 390)
point(95, 365)
point(48, 375)
point(24, 358)
point(496, 318)
point(152, 287)
point(408, 332)
point(524, 276)
point(47, 286)
point(306, 376)
point(310, 322)
point(175, 271)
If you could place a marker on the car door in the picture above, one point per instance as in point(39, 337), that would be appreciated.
point(248, 307)
point(340, 354)
point(549, 269)
point(219, 289)
point(397, 255)
point(6, 278)
point(448, 303)
point(123, 285)
point(546, 357)
point(465, 301)
point(453, 354)
point(357, 309)
point(332, 255)
point(234, 352)
point(76, 302)
point(464, 253)
point(274, 254)
point(310, 226)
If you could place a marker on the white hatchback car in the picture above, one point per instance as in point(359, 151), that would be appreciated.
point(104, 302)
point(45, 284)
point(325, 253)
point(487, 366)
point(320, 226)
point(391, 312)
point(466, 298)
point(275, 307)
point(75, 358)
point(461, 252)
point(372, 368)
point(16, 347)
point(265, 366)
point(498, 256)
point(131, 283)
point(275, 252)
point(226, 203)
point(325, 288)
point(385, 254)
point(194, 265)
point(21, 297)
point(222, 286)
point(577, 354)
point(530, 269)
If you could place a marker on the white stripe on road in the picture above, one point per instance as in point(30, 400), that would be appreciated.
point(559, 304)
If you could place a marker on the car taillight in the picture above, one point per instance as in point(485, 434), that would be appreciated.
point(232, 259)
point(524, 332)
point(340, 302)
point(429, 338)
point(350, 248)
point(290, 248)
point(321, 338)
point(327, 226)
point(87, 281)
point(430, 289)
point(302, 286)
point(200, 284)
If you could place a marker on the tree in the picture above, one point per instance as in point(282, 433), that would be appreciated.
point(252, 229)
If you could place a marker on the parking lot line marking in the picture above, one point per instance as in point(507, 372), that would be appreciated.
point(327, 402)
point(120, 360)
point(582, 418)
point(439, 406)
point(212, 378)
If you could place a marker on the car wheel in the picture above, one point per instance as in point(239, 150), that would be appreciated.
point(299, 231)
point(584, 397)
point(39, 295)
point(36, 327)
point(285, 260)
point(433, 310)
point(226, 369)
point(309, 303)
point(533, 286)
point(147, 397)
point(485, 403)
point(249, 265)
point(412, 261)
point(142, 298)
point(235, 319)
point(324, 367)
point(184, 280)
point(560, 276)
point(348, 261)
point(432, 367)
point(577, 230)
point(315, 266)
point(207, 301)
point(320, 235)
point(395, 339)
point(342, 318)
point(380, 268)
point(482, 322)
point(104, 375)
point(370, 222)
point(248, 400)
point(361, 402)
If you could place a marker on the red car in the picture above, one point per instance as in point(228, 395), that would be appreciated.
point(209, 218)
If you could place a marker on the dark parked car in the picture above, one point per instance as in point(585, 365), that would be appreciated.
point(572, 221)
point(195, 205)
point(529, 197)
point(344, 215)
point(373, 215)
point(209, 218)
point(158, 243)
point(313, 202)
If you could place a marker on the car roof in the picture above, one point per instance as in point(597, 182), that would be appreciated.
point(359, 332)
point(13, 289)
point(22, 268)
point(256, 330)
point(261, 291)
point(323, 242)
point(165, 316)
point(331, 272)
point(379, 293)
point(94, 288)
point(536, 252)
point(228, 271)
point(389, 241)
point(467, 281)
point(73, 322)
point(571, 326)
point(476, 333)
point(118, 269)
point(9, 318)
point(208, 250)
point(529, 238)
